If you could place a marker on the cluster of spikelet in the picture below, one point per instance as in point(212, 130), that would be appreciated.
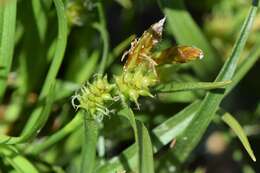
point(94, 97)
point(135, 83)
point(138, 75)
point(136, 79)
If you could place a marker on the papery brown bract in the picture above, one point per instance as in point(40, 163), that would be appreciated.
point(178, 54)
point(141, 49)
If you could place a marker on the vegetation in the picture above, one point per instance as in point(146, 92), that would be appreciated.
point(80, 93)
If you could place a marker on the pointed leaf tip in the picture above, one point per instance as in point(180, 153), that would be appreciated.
point(238, 130)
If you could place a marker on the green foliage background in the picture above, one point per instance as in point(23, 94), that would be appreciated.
point(49, 48)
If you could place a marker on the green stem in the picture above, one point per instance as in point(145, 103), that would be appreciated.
point(101, 27)
point(88, 159)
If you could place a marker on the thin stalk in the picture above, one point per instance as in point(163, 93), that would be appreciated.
point(89, 143)
point(101, 27)
point(73, 125)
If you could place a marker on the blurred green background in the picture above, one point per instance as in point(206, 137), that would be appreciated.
point(217, 21)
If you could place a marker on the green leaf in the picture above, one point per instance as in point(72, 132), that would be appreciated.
point(87, 69)
point(146, 149)
point(184, 86)
point(142, 139)
point(61, 43)
point(101, 27)
point(245, 66)
point(187, 32)
point(192, 135)
point(161, 136)
point(56, 62)
point(235, 126)
point(72, 126)
point(7, 41)
point(18, 162)
point(40, 18)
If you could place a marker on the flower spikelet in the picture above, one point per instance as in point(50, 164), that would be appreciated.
point(95, 97)
point(136, 82)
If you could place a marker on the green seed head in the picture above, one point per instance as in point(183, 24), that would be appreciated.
point(95, 97)
point(135, 83)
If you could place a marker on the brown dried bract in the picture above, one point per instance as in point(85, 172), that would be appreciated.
point(140, 51)
point(179, 54)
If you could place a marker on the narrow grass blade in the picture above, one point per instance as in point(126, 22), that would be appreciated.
point(40, 18)
point(117, 51)
point(73, 125)
point(186, 32)
point(88, 69)
point(245, 66)
point(238, 130)
point(144, 157)
point(101, 27)
point(186, 86)
point(7, 41)
point(146, 149)
point(128, 114)
point(16, 160)
point(161, 136)
point(56, 62)
point(192, 135)
point(61, 43)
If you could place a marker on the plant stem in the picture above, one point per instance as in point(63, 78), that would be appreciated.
point(101, 27)
point(88, 159)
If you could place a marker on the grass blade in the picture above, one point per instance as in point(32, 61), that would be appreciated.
point(184, 86)
point(55, 66)
point(146, 149)
point(101, 27)
point(72, 126)
point(61, 43)
point(245, 66)
point(7, 41)
point(235, 126)
point(40, 18)
point(142, 140)
point(18, 162)
point(117, 51)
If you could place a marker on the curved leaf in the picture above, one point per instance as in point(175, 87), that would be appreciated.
point(235, 126)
